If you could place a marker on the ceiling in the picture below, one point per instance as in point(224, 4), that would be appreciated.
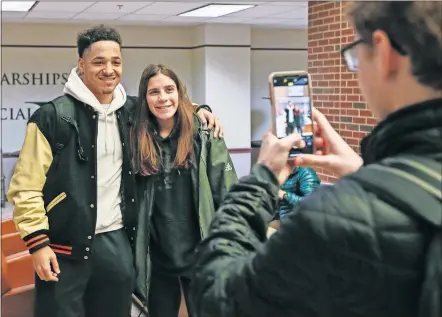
point(291, 14)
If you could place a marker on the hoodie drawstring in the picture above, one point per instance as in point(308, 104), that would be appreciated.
point(77, 89)
point(106, 139)
point(115, 143)
point(105, 131)
point(114, 119)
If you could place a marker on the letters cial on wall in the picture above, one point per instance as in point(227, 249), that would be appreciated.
point(22, 92)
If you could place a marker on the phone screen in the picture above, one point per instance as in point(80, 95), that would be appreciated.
point(293, 109)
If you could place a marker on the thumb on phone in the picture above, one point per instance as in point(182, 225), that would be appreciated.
point(312, 160)
point(293, 140)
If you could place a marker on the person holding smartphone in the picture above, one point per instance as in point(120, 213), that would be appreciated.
point(348, 249)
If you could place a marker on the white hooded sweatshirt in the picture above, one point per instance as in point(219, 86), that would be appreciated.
point(109, 152)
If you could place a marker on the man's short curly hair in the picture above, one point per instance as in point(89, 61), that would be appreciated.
point(95, 34)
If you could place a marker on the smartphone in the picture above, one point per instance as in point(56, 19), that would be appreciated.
point(290, 96)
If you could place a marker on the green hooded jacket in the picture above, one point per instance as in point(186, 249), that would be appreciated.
point(212, 177)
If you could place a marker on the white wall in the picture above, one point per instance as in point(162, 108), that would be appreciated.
point(60, 60)
point(285, 50)
point(271, 50)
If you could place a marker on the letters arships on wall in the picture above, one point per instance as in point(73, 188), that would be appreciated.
point(34, 79)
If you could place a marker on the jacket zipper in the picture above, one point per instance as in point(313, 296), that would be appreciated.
point(96, 114)
point(198, 189)
point(123, 188)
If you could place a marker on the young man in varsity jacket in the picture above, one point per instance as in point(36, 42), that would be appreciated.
point(74, 207)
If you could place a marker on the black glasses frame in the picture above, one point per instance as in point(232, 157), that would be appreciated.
point(351, 45)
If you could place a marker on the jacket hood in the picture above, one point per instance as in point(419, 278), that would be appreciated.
point(107, 122)
point(415, 129)
point(77, 89)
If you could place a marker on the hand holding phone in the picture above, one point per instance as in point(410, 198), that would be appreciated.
point(274, 154)
point(332, 152)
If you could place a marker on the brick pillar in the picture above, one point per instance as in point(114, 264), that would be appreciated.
point(335, 90)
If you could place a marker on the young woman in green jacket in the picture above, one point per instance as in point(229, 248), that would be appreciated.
point(183, 175)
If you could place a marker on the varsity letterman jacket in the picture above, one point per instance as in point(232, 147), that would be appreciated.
point(55, 194)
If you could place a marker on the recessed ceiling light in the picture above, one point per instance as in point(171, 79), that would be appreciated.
point(20, 6)
point(215, 10)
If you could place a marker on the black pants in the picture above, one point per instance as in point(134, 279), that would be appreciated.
point(289, 129)
point(165, 295)
point(100, 286)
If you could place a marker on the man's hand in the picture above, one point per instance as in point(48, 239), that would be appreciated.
point(270, 232)
point(337, 156)
point(274, 154)
point(273, 227)
point(43, 259)
point(281, 194)
point(212, 122)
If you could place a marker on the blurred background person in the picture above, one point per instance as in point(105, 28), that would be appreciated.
point(301, 182)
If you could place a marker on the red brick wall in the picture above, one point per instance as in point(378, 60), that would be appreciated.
point(335, 90)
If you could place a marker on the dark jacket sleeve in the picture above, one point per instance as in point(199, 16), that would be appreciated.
point(342, 253)
point(220, 170)
point(237, 274)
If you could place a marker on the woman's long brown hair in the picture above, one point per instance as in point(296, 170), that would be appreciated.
point(145, 153)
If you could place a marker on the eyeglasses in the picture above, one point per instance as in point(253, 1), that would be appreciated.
point(349, 56)
point(348, 53)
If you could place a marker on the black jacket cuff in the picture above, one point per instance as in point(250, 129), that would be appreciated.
point(206, 107)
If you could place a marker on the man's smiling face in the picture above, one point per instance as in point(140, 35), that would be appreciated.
point(101, 67)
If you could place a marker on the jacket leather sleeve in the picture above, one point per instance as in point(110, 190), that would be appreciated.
point(220, 170)
point(237, 274)
point(25, 188)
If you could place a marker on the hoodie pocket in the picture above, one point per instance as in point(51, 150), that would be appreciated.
point(58, 199)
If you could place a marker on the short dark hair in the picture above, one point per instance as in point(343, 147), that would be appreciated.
point(96, 34)
point(414, 26)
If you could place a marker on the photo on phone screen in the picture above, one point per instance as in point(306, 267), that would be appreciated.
point(292, 100)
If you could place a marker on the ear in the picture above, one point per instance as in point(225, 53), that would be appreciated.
point(387, 57)
point(80, 64)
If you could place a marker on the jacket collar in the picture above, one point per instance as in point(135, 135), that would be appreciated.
point(415, 129)
point(173, 134)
